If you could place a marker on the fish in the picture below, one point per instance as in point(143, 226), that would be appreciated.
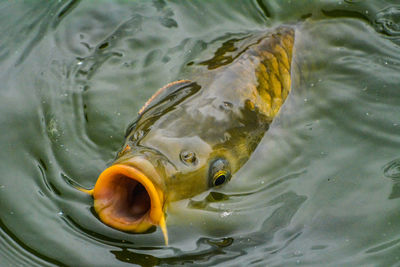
point(196, 133)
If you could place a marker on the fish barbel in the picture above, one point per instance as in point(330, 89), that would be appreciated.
point(194, 134)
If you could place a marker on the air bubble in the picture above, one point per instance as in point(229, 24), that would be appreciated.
point(226, 214)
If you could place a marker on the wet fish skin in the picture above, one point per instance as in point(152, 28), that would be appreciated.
point(225, 117)
point(196, 133)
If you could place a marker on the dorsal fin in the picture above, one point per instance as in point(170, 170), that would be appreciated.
point(163, 100)
point(167, 89)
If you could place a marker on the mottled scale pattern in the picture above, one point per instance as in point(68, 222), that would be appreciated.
point(273, 72)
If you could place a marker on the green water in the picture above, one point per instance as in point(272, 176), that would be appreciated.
point(322, 188)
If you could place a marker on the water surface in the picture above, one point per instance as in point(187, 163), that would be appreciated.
point(322, 188)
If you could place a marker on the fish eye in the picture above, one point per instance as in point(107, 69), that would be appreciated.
point(188, 157)
point(219, 172)
point(220, 178)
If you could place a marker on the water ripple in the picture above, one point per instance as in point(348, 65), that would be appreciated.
point(85, 69)
point(387, 21)
point(384, 246)
point(392, 169)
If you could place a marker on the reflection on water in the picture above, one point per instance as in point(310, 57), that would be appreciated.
point(322, 187)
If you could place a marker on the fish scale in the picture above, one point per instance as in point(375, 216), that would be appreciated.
point(274, 71)
point(195, 133)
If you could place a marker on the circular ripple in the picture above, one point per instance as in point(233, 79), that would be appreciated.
point(388, 21)
point(392, 169)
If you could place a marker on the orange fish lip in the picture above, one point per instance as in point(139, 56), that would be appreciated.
point(126, 199)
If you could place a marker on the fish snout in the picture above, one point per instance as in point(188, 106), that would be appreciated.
point(129, 196)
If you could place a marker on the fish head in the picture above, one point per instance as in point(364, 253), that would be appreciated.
point(195, 165)
point(133, 193)
point(175, 150)
point(130, 194)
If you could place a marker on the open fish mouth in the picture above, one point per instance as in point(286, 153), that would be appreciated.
point(126, 199)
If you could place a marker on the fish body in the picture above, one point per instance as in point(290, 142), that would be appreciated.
point(194, 134)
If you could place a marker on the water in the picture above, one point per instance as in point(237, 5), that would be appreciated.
point(322, 188)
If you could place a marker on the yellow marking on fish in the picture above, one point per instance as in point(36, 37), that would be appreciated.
point(285, 80)
point(126, 148)
point(263, 85)
point(163, 227)
point(283, 55)
point(288, 42)
point(87, 191)
point(159, 91)
point(273, 74)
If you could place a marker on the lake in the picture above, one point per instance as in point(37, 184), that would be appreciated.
point(322, 188)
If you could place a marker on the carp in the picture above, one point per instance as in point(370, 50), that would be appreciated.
point(194, 134)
